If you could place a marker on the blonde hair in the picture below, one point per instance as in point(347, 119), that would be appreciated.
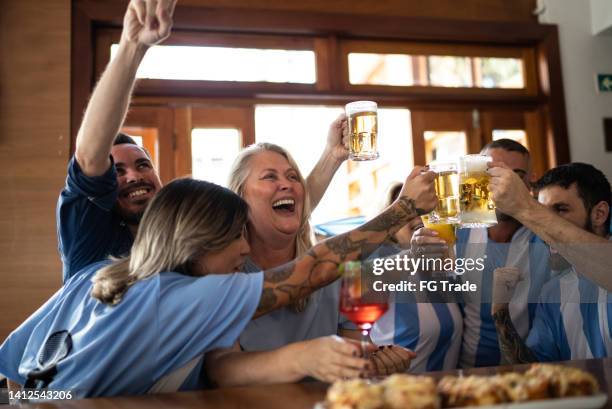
point(185, 220)
point(239, 173)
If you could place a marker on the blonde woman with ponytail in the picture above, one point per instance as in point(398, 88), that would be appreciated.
point(301, 339)
point(143, 324)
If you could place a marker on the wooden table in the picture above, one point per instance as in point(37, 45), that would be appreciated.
point(283, 396)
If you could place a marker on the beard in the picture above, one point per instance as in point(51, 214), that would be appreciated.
point(557, 261)
point(132, 218)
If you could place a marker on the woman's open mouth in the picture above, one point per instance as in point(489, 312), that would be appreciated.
point(284, 206)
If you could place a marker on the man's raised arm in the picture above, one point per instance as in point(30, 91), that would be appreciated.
point(146, 22)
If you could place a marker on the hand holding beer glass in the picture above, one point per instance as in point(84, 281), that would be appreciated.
point(363, 130)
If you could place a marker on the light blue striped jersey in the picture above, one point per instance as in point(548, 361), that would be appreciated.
point(432, 330)
point(525, 251)
point(572, 321)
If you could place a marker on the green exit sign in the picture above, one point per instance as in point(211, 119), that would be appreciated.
point(604, 82)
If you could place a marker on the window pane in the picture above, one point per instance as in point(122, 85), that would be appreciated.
point(449, 71)
point(212, 153)
point(500, 72)
point(515, 134)
point(380, 69)
point(227, 64)
point(356, 186)
point(444, 146)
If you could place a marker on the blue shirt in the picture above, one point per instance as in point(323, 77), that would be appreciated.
point(88, 228)
point(525, 251)
point(163, 323)
point(572, 321)
point(431, 329)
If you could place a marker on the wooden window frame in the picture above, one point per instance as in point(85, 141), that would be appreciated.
point(525, 54)
point(329, 31)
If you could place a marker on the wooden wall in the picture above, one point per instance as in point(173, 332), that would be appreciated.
point(34, 136)
point(476, 10)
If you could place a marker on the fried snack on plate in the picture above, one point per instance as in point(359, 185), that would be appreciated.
point(564, 381)
point(410, 392)
point(521, 388)
point(470, 391)
point(355, 394)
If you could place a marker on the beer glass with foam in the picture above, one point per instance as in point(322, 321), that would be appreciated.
point(363, 130)
point(476, 208)
point(446, 184)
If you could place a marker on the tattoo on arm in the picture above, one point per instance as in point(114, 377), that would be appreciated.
point(319, 266)
point(513, 349)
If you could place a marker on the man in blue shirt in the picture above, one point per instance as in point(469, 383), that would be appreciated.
point(573, 319)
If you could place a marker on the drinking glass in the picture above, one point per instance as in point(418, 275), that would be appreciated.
point(476, 207)
point(446, 184)
point(360, 305)
point(363, 130)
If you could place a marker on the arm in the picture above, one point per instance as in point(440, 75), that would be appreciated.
point(587, 252)
point(512, 347)
point(319, 266)
point(327, 359)
point(143, 26)
point(334, 154)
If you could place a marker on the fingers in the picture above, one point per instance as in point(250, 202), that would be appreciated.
point(140, 9)
point(416, 171)
point(150, 18)
point(402, 357)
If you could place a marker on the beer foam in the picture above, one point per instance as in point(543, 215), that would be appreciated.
point(360, 106)
point(476, 163)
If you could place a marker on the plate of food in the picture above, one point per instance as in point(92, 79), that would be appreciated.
point(543, 386)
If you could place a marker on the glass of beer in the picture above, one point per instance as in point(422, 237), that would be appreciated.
point(363, 130)
point(476, 208)
point(446, 184)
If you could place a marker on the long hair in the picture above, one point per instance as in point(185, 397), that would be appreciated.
point(185, 220)
point(239, 173)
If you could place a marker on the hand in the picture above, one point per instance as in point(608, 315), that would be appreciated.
point(148, 22)
point(333, 358)
point(391, 359)
point(505, 280)
point(508, 189)
point(337, 139)
point(427, 242)
point(419, 187)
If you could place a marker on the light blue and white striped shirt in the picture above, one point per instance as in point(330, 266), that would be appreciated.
point(525, 251)
point(572, 321)
point(432, 330)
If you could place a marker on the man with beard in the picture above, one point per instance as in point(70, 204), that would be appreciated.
point(508, 243)
point(110, 178)
point(573, 319)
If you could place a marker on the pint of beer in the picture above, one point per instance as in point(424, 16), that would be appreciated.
point(363, 130)
point(446, 184)
point(475, 204)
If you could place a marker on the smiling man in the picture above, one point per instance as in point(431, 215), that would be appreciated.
point(573, 319)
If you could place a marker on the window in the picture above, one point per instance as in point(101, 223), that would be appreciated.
point(171, 62)
point(213, 151)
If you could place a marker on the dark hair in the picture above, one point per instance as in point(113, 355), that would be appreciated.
point(508, 145)
point(124, 139)
point(592, 185)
